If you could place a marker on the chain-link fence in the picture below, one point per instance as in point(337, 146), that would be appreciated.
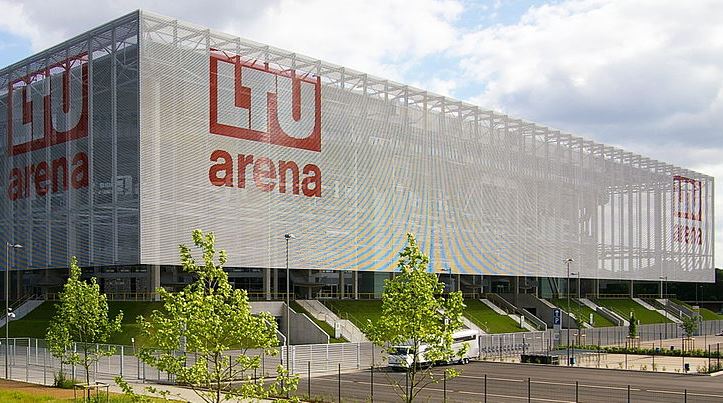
point(382, 385)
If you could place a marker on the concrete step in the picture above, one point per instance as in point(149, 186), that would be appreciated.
point(24, 309)
point(470, 325)
point(514, 317)
point(660, 311)
point(347, 329)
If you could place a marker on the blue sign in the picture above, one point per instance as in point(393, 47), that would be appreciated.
point(556, 317)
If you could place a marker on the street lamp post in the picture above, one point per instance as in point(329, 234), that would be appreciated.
point(8, 245)
point(663, 287)
point(567, 262)
point(288, 237)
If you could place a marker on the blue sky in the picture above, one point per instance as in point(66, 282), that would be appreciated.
point(645, 75)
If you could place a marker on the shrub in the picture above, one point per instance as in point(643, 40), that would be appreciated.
point(60, 380)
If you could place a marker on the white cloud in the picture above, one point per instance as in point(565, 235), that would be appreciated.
point(382, 37)
point(631, 67)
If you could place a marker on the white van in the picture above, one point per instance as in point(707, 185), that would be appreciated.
point(401, 357)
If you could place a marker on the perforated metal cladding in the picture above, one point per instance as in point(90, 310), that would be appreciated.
point(484, 193)
point(69, 169)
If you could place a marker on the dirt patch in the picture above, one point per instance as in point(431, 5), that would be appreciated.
point(34, 389)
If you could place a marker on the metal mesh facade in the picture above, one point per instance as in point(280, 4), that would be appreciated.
point(70, 170)
point(188, 128)
point(484, 193)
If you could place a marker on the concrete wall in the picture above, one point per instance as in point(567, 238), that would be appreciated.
point(303, 329)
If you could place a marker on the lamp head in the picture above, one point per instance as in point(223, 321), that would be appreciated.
point(568, 260)
point(289, 236)
point(14, 245)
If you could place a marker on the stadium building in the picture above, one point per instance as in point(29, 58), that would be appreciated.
point(124, 139)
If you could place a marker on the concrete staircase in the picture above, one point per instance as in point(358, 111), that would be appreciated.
point(514, 316)
point(24, 308)
point(347, 329)
point(604, 312)
point(678, 310)
point(470, 325)
point(660, 311)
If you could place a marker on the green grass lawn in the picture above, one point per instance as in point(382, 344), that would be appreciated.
point(489, 320)
point(707, 314)
point(35, 324)
point(17, 396)
point(584, 311)
point(323, 325)
point(358, 312)
point(623, 307)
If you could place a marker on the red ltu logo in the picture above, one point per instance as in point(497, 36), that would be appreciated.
point(49, 106)
point(253, 102)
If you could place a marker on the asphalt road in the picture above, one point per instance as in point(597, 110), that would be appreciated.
point(506, 382)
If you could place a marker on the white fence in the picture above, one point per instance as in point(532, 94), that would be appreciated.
point(30, 360)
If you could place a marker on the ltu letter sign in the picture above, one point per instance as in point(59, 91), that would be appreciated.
point(250, 101)
point(46, 108)
point(688, 206)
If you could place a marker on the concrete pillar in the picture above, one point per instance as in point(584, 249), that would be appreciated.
point(276, 283)
point(267, 283)
point(19, 279)
point(632, 287)
point(515, 289)
point(341, 284)
point(579, 281)
point(459, 282)
point(597, 288)
point(155, 274)
point(355, 283)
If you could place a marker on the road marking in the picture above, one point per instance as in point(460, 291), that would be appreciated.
point(680, 393)
point(547, 382)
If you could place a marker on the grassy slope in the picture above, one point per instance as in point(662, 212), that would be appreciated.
point(323, 325)
point(35, 324)
point(599, 320)
point(707, 314)
point(489, 320)
point(358, 312)
point(624, 306)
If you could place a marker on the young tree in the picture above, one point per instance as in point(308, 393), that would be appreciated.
point(193, 333)
point(415, 313)
point(633, 328)
point(690, 324)
point(82, 320)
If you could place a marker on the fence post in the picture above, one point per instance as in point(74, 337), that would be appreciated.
point(75, 350)
point(308, 380)
point(45, 378)
point(529, 390)
point(685, 396)
point(358, 356)
point(485, 388)
point(339, 372)
point(628, 393)
point(577, 391)
point(27, 362)
point(121, 360)
point(371, 383)
point(444, 386)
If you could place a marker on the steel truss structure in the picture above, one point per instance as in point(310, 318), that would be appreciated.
point(554, 195)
